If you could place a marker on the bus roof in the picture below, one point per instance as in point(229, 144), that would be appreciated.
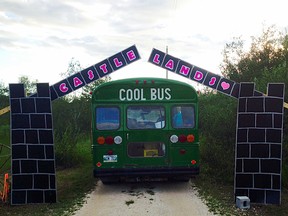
point(144, 89)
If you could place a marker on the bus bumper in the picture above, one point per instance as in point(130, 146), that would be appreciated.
point(152, 172)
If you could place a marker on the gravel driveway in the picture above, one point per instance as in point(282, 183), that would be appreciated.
point(145, 198)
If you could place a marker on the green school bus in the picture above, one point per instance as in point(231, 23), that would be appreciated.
point(145, 128)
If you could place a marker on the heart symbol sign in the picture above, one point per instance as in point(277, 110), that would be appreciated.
point(225, 85)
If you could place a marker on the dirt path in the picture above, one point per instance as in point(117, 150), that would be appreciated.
point(141, 199)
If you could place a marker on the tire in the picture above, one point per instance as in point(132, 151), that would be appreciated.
point(109, 180)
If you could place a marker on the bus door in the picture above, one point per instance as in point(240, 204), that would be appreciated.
point(145, 135)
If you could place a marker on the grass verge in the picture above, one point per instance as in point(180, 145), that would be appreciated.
point(72, 186)
point(219, 198)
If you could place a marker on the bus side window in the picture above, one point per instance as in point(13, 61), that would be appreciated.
point(183, 117)
point(177, 117)
point(107, 118)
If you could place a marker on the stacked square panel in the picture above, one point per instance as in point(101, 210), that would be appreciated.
point(33, 159)
point(259, 144)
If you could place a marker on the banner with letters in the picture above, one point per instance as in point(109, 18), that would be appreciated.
point(94, 72)
point(193, 72)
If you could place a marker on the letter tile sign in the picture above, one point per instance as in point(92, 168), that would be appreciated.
point(194, 73)
point(33, 159)
point(90, 74)
point(259, 144)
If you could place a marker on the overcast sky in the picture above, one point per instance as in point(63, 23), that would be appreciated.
point(38, 38)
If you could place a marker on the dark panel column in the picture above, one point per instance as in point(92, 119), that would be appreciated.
point(33, 159)
point(259, 144)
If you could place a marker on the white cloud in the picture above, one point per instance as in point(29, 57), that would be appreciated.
point(39, 37)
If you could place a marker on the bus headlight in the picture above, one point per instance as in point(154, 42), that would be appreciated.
point(174, 138)
point(117, 140)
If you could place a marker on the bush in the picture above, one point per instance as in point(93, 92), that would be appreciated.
point(217, 126)
point(5, 134)
point(66, 150)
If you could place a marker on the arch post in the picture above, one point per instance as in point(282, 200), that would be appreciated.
point(32, 146)
point(259, 138)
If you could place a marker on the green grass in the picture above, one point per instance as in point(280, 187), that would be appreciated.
point(72, 186)
point(219, 198)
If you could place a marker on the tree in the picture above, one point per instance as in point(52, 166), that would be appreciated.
point(3, 89)
point(74, 66)
point(266, 53)
point(265, 62)
point(72, 118)
point(30, 86)
point(86, 90)
point(4, 102)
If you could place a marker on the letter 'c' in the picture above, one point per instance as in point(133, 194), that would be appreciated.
point(63, 88)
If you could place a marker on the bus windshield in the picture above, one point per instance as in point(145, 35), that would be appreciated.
point(143, 117)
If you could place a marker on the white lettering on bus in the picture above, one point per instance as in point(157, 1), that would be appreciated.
point(160, 94)
point(167, 94)
point(131, 94)
point(138, 94)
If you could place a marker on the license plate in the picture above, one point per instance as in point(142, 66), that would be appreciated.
point(109, 158)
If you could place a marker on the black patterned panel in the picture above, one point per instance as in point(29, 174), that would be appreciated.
point(247, 90)
point(35, 196)
point(19, 151)
point(244, 180)
point(18, 197)
point(273, 197)
point(28, 105)
point(264, 120)
point(256, 135)
point(15, 106)
point(262, 181)
point(24, 181)
point(36, 151)
point(31, 136)
point(260, 150)
point(275, 151)
point(246, 120)
point(43, 90)
point(255, 104)
point(274, 105)
point(242, 135)
point(251, 165)
point(37, 121)
point(17, 90)
point(258, 145)
point(20, 121)
point(17, 136)
point(41, 181)
point(276, 90)
point(243, 151)
point(33, 160)
point(257, 196)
